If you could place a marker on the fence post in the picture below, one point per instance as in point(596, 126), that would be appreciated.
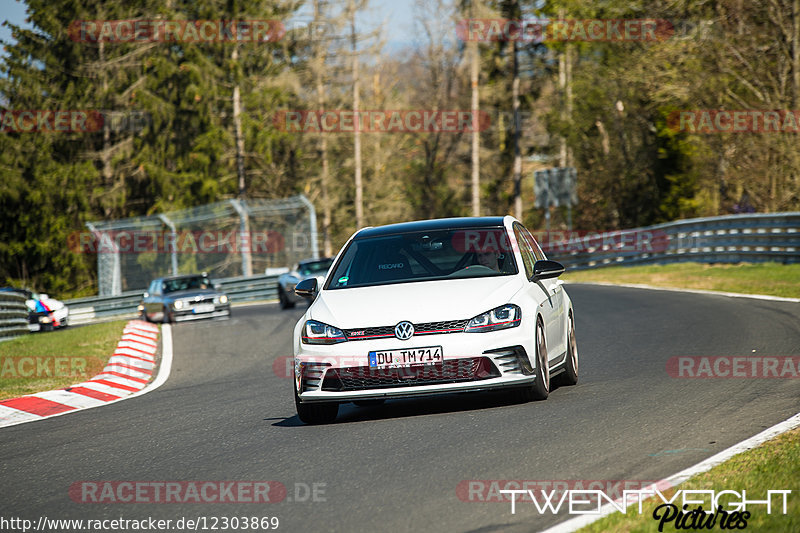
point(244, 238)
point(312, 222)
point(173, 243)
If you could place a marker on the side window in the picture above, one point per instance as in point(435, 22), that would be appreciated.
point(537, 251)
point(528, 258)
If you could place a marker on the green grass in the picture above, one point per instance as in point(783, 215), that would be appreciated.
point(773, 279)
point(68, 356)
point(771, 466)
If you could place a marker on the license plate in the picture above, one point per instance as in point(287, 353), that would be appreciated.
point(203, 308)
point(428, 355)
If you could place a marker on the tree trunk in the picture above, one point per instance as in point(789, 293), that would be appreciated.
point(357, 132)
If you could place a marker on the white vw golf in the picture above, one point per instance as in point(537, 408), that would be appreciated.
point(433, 307)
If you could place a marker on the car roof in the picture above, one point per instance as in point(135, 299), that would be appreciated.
point(182, 276)
point(431, 225)
point(307, 261)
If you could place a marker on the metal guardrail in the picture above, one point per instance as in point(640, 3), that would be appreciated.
point(725, 239)
point(13, 315)
point(103, 308)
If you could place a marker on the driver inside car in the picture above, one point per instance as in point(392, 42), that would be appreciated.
point(488, 259)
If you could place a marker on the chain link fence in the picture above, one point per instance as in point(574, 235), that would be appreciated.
point(226, 239)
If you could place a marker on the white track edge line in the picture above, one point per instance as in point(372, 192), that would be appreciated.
point(693, 291)
point(163, 374)
point(573, 524)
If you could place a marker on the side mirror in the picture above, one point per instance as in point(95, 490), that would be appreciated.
point(544, 269)
point(146, 294)
point(306, 288)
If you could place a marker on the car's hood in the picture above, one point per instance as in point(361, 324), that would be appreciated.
point(427, 301)
point(189, 293)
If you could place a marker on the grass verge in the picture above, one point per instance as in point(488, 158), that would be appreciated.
point(56, 359)
point(771, 466)
point(773, 279)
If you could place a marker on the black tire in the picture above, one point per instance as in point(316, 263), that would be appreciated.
point(284, 301)
point(540, 388)
point(369, 403)
point(167, 318)
point(316, 413)
point(570, 374)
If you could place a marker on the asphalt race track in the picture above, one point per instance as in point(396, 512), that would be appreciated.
point(224, 415)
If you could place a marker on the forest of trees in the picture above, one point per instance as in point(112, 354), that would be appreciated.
point(601, 106)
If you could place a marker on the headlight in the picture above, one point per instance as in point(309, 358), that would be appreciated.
point(223, 299)
point(507, 316)
point(318, 333)
point(177, 304)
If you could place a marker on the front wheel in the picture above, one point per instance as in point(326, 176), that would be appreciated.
point(283, 299)
point(316, 413)
point(540, 388)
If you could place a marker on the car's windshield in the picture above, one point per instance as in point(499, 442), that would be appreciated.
point(312, 268)
point(424, 256)
point(188, 283)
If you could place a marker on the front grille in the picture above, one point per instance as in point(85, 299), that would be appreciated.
point(452, 371)
point(424, 328)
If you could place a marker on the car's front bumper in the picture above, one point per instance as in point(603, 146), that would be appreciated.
point(187, 315)
point(502, 382)
point(472, 362)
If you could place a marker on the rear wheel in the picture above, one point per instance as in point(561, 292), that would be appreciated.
point(167, 317)
point(316, 413)
point(570, 374)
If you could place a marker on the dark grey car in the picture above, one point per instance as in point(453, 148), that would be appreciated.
point(310, 268)
point(180, 298)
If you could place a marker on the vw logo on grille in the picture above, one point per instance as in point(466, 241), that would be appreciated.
point(404, 330)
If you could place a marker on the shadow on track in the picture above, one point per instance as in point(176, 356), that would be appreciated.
point(410, 407)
